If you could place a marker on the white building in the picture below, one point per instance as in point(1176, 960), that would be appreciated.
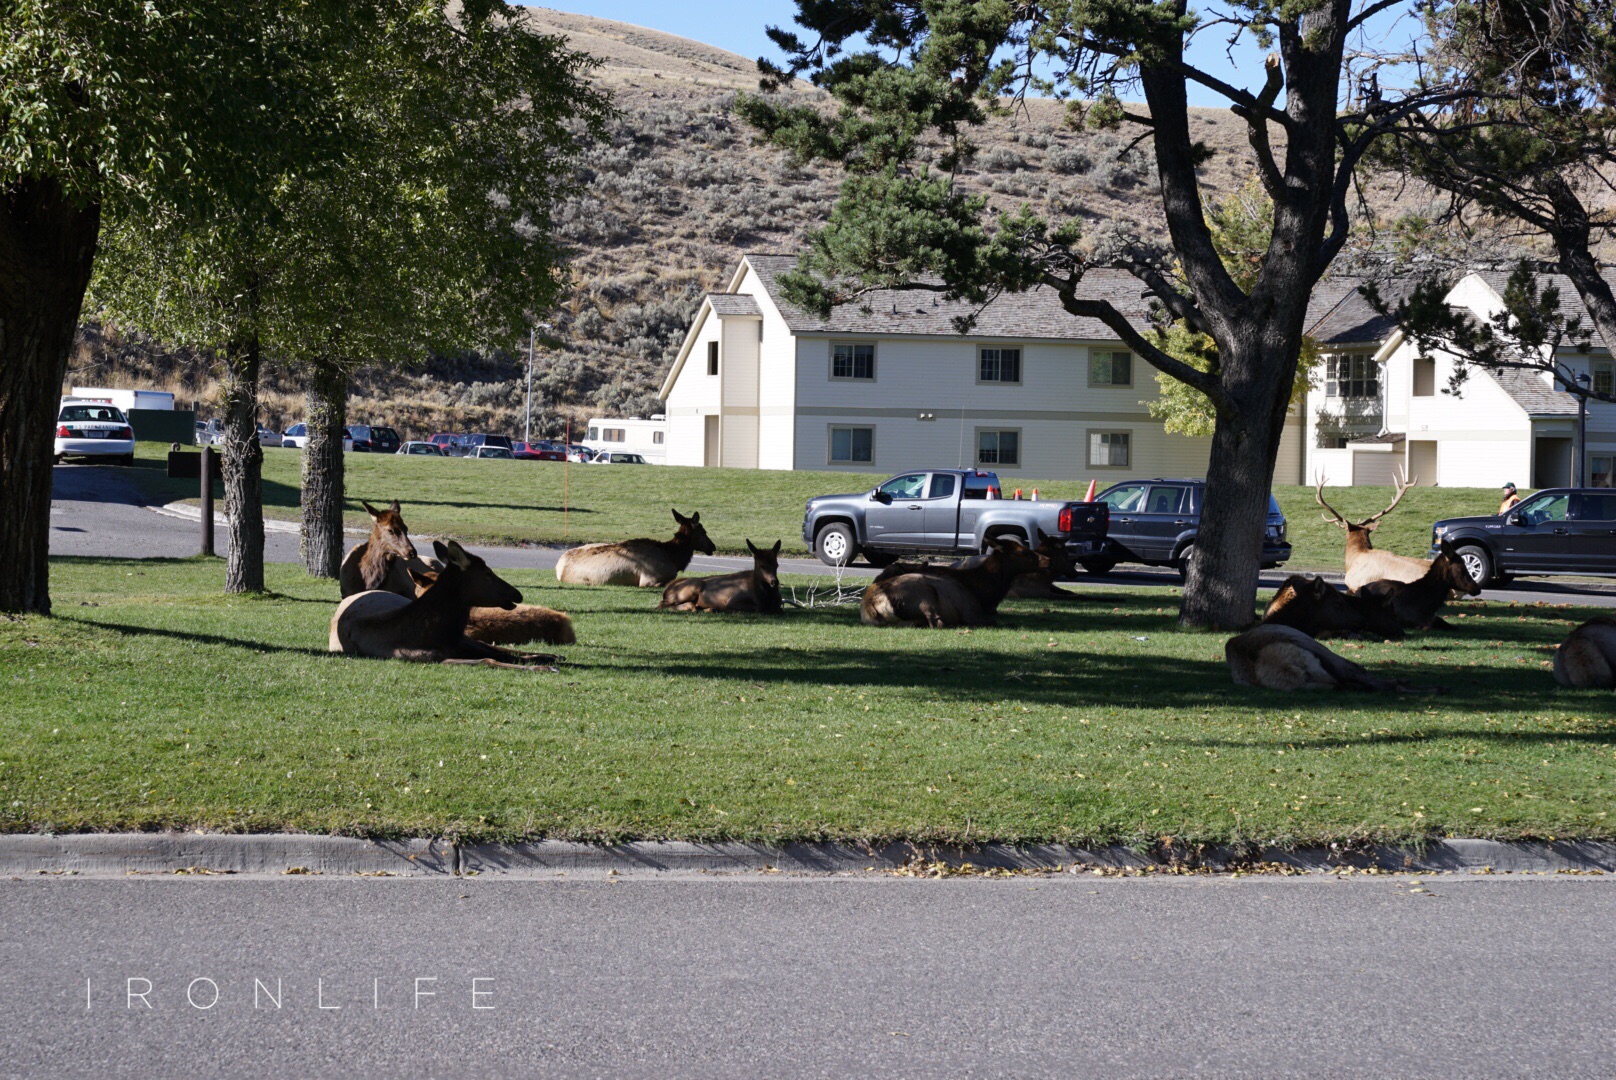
point(1377, 409)
point(648, 438)
point(889, 384)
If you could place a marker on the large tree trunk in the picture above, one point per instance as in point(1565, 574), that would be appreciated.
point(243, 470)
point(1245, 445)
point(47, 249)
point(327, 414)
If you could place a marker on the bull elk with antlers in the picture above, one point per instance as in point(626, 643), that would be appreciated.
point(1364, 563)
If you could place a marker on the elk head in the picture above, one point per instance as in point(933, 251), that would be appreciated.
point(1367, 525)
point(690, 532)
point(388, 533)
point(1448, 568)
point(1014, 558)
point(476, 584)
point(765, 560)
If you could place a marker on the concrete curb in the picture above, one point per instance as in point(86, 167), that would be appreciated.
point(186, 512)
point(117, 854)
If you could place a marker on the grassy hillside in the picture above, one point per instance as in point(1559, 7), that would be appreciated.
point(544, 502)
point(678, 193)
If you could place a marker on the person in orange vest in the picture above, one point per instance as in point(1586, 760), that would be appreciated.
point(1510, 499)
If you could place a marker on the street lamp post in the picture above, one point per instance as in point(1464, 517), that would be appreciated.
point(527, 425)
point(1582, 431)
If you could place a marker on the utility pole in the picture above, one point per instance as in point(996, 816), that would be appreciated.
point(1580, 472)
point(527, 427)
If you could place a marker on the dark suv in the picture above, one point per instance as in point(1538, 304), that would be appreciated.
point(1556, 531)
point(1155, 522)
point(373, 440)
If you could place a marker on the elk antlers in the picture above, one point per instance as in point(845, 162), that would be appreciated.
point(1335, 518)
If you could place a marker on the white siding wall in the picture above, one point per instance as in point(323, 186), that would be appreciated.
point(738, 371)
point(777, 383)
point(694, 395)
point(1054, 408)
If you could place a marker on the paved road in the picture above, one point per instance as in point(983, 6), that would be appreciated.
point(1062, 977)
point(96, 510)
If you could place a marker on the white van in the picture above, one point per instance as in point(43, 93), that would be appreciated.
point(647, 438)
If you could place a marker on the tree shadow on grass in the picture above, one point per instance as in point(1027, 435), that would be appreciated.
point(202, 639)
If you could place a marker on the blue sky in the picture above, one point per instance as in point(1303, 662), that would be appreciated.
point(737, 25)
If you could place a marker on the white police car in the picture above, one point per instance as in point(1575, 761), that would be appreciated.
point(93, 428)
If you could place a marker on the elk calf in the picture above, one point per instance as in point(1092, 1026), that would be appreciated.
point(1414, 605)
point(431, 628)
point(643, 562)
point(1318, 609)
point(1284, 658)
point(942, 596)
point(756, 590)
point(382, 561)
point(1586, 660)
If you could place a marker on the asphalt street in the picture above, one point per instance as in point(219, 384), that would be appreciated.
point(1060, 976)
point(98, 511)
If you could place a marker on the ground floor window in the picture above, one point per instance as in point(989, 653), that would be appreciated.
point(852, 445)
point(1600, 468)
point(1110, 449)
point(998, 447)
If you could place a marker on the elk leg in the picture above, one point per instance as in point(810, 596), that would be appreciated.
point(1439, 623)
point(477, 651)
point(491, 662)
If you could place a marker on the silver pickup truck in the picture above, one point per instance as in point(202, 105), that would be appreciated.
point(943, 512)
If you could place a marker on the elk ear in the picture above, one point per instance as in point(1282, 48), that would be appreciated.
point(369, 509)
point(394, 507)
point(752, 549)
point(1447, 548)
point(695, 517)
point(423, 578)
point(458, 557)
point(777, 547)
point(680, 518)
point(441, 551)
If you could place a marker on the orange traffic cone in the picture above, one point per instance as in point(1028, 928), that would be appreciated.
point(1034, 494)
point(1090, 496)
point(1018, 494)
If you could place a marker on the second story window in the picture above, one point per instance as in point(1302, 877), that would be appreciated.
point(712, 358)
point(1604, 377)
point(995, 365)
point(1110, 367)
point(1351, 377)
point(852, 360)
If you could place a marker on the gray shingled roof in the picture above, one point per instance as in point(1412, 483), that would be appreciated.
point(1351, 320)
point(1534, 395)
point(1036, 313)
point(1570, 301)
point(734, 304)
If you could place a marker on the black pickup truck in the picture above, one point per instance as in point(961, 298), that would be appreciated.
point(943, 512)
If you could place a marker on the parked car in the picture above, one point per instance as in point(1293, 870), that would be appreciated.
point(266, 437)
point(579, 452)
point(616, 457)
point(1155, 522)
point(209, 433)
point(88, 428)
point(1556, 531)
point(296, 437)
point(942, 512)
point(449, 443)
point(538, 451)
point(421, 449)
point(492, 452)
point(373, 440)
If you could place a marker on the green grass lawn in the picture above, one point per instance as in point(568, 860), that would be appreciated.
point(542, 502)
point(152, 701)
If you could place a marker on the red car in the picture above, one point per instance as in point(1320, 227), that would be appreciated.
point(537, 452)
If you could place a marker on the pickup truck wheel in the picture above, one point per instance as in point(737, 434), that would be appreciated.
point(1098, 566)
point(835, 545)
point(1477, 563)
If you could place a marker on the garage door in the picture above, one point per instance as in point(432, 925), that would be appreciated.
point(1373, 468)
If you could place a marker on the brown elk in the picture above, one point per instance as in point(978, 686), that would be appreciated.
point(940, 596)
point(1415, 604)
point(382, 561)
point(1365, 564)
point(1039, 586)
point(642, 562)
point(1318, 609)
point(431, 628)
point(1586, 660)
point(756, 590)
point(1283, 658)
point(494, 626)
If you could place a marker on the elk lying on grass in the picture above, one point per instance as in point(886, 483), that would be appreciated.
point(1041, 585)
point(636, 562)
point(1318, 609)
point(493, 626)
point(1415, 604)
point(431, 628)
point(756, 590)
point(1363, 563)
point(1284, 658)
point(382, 561)
point(967, 595)
point(1586, 660)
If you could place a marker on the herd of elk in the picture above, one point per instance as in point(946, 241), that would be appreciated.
point(755, 590)
point(1364, 563)
point(942, 596)
point(643, 562)
point(458, 611)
